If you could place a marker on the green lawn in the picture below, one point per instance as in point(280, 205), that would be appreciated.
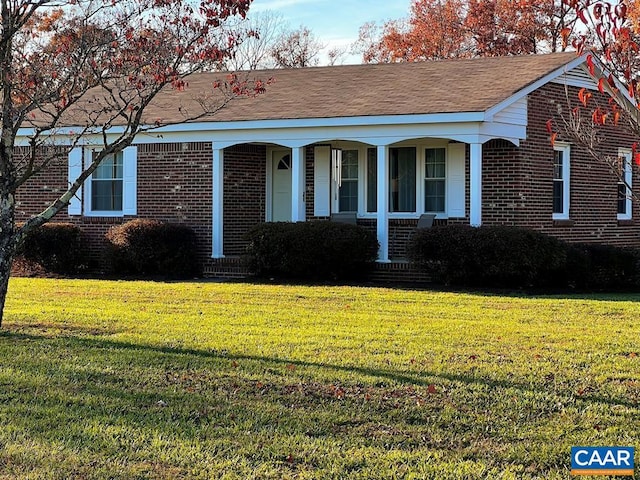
point(211, 380)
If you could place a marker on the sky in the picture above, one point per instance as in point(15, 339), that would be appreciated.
point(334, 22)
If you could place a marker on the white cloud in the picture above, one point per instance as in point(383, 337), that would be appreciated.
point(261, 5)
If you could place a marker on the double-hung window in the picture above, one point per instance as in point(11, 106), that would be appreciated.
point(624, 185)
point(372, 180)
point(348, 191)
point(561, 177)
point(424, 178)
point(106, 184)
point(435, 180)
point(402, 179)
point(111, 190)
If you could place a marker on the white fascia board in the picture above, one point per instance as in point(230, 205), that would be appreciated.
point(434, 118)
point(293, 137)
point(372, 135)
point(494, 130)
point(426, 119)
point(534, 86)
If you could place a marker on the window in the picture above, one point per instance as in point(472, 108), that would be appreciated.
point(402, 179)
point(561, 182)
point(624, 185)
point(372, 180)
point(425, 177)
point(106, 185)
point(285, 163)
point(348, 192)
point(435, 180)
point(112, 188)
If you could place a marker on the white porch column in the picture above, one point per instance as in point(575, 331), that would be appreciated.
point(297, 184)
point(218, 199)
point(383, 203)
point(475, 207)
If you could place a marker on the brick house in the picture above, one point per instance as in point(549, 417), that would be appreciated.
point(463, 139)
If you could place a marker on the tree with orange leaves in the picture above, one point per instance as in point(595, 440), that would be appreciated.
point(439, 29)
point(98, 63)
point(610, 40)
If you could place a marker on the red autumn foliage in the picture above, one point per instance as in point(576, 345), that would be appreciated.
point(439, 29)
point(94, 64)
point(610, 41)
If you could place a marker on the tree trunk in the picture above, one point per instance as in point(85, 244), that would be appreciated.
point(5, 272)
point(7, 245)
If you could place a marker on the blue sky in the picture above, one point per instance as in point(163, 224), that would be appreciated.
point(334, 22)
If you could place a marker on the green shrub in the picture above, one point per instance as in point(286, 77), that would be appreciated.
point(488, 256)
point(603, 267)
point(56, 247)
point(311, 250)
point(152, 247)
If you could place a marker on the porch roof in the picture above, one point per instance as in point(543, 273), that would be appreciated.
point(450, 86)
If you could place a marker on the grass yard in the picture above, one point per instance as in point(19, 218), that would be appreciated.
point(133, 380)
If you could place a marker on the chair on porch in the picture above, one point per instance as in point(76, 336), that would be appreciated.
point(345, 217)
point(426, 220)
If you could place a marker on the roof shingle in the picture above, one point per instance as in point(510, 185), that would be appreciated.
point(448, 86)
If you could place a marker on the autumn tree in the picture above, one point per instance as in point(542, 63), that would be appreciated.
point(92, 65)
point(439, 29)
point(262, 30)
point(270, 42)
point(296, 49)
point(610, 41)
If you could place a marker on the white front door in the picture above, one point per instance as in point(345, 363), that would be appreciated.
point(281, 186)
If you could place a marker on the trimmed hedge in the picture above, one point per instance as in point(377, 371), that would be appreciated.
point(603, 267)
point(56, 247)
point(319, 250)
point(488, 256)
point(499, 256)
point(151, 247)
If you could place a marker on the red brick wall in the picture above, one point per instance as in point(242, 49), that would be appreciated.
point(502, 202)
point(174, 184)
point(244, 193)
point(517, 182)
point(41, 189)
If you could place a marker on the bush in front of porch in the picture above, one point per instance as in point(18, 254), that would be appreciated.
point(512, 257)
point(489, 256)
point(318, 250)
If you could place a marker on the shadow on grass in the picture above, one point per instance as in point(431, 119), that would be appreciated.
point(389, 375)
point(533, 293)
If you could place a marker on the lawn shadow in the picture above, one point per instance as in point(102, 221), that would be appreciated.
point(425, 379)
point(479, 291)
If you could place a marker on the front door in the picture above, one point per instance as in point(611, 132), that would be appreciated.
point(281, 186)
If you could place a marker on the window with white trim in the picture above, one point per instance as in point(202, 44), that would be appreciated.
point(372, 180)
point(561, 178)
point(435, 180)
point(348, 191)
point(424, 177)
point(106, 184)
point(111, 190)
point(624, 185)
point(402, 179)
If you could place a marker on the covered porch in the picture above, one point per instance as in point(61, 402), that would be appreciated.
point(386, 175)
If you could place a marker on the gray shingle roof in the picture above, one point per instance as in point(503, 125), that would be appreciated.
point(449, 86)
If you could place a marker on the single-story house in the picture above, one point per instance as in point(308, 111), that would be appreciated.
point(465, 140)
